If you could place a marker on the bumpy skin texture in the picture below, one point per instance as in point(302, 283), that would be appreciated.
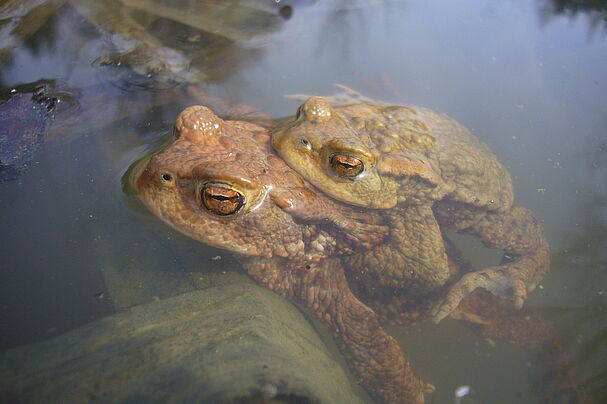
point(219, 183)
point(430, 176)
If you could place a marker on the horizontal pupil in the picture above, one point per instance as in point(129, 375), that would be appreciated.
point(223, 198)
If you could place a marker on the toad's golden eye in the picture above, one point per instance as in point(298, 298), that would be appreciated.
point(346, 166)
point(221, 201)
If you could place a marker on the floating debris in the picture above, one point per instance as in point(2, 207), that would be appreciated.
point(461, 392)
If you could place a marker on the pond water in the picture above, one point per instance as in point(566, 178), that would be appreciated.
point(529, 78)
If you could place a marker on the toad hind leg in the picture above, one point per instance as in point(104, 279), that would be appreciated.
point(372, 353)
point(413, 258)
point(526, 259)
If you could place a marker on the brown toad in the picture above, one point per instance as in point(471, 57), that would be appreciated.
point(219, 183)
point(429, 175)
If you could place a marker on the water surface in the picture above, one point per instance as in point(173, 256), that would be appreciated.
point(527, 77)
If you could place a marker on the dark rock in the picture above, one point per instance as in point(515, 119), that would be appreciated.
point(25, 118)
point(229, 343)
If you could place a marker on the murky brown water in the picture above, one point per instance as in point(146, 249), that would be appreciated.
point(526, 79)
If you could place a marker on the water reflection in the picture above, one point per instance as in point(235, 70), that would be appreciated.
point(184, 42)
point(595, 11)
point(177, 42)
point(20, 20)
point(535, 93)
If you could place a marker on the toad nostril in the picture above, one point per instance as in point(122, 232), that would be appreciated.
point(167, 177)
point(306, 143)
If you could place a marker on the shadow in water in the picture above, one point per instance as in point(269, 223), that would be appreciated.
point(583, 318)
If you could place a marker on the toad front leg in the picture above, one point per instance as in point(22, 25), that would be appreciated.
point(526, 259)
point(363, 229)
point(372, 353)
